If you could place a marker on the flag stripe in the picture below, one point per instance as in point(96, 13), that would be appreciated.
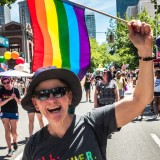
point(63, 34)
point(38, 37)
point(41, 16)
point(84, 47)
point(74, 38)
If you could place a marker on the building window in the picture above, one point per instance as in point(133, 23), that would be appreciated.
point(14, 47)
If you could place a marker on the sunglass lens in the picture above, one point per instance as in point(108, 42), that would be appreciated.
point(43, 95)
point(58, 92)
point(6, 83)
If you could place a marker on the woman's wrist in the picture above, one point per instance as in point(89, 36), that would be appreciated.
point(145, 53)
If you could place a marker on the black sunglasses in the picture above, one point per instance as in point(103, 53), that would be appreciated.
point(104, 73)
point(56, 92)
point(6, 83)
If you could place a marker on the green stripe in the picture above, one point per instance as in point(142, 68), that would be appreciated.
point(63, 34)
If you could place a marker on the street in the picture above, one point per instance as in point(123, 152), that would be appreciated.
point(139, 140)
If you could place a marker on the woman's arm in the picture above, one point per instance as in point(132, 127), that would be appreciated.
point(141, 36)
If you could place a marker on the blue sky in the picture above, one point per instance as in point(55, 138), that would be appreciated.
point(102, 22)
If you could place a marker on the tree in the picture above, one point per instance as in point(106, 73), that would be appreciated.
point(99, 54)
point(7, 2)
point(124, 50)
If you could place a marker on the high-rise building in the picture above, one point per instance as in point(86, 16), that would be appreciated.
point(24, 15)
point(91, 24)
point(151, 8)
point(123, 4)
point(5, 16)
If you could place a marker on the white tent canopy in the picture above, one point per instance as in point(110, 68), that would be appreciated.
point(15, 73)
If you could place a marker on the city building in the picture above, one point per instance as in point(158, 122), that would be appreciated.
point(5, 16)
point(131, 11)
point(91, 24)
point(20, 39)
point(151, 8)
point(122, 6)
point(24, 15)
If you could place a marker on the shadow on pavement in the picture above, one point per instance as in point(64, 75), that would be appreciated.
point(3, 148)
point(148, 116)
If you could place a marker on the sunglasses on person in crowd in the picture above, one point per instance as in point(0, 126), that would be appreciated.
point(104, 72)
point(56, 92)
point(4, 83)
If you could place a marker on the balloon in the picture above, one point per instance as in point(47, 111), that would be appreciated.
point(14, 55)
point(19, 60)
point(2, 59)
point(7, 55)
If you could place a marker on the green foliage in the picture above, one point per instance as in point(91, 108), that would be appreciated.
point(99, 54)
point(7, 2)
point(124, 50)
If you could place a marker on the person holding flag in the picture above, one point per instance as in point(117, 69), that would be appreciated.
point(68, 136)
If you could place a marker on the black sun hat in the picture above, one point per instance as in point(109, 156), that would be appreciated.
point(52, 72)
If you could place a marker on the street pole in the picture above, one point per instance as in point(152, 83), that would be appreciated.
point(157, 22)
point(24, 36)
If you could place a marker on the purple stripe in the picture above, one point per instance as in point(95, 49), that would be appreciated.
point(84, 43)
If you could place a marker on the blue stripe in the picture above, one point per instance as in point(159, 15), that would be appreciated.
point(74, 39)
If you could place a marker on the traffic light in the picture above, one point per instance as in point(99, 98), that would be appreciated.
point(155, 6)
point(111, 38)
point(158, 9)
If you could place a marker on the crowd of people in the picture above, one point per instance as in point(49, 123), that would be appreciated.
point(54, 92)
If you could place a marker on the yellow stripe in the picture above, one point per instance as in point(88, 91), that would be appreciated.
point(53, 31)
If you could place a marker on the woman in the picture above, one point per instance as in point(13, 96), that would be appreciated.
point(68, 136)
point(157, 92)
point(9, 100)
point(87, 87)
point(31, 116)
point(106, 91)
point(120, 80)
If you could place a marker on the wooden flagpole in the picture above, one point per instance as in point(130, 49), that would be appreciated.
point(105, 14)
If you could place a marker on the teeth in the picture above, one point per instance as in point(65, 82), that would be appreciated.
point(52, 108)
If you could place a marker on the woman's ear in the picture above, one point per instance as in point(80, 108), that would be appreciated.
point(35, 104)
point(70, 97)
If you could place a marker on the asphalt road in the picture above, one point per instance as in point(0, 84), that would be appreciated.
point(139, 140)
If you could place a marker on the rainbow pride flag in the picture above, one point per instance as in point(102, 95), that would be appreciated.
point(60, 36)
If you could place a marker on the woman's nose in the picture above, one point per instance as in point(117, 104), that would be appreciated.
point(52, 98)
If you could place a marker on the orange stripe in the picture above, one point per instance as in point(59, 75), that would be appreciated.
point(41, 16)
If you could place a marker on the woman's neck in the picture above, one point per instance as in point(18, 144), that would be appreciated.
point(59, 129)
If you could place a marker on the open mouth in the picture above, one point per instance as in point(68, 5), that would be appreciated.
point(54, 109)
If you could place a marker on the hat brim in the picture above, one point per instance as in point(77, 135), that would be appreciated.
point(63, 74)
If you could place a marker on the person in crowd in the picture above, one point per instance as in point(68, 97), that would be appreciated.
point(125, 82)
point(98, 76)
point(9, 100)
point(87, 87)
point(31, 116)
point(106, 91)
point(120, 80)
point(157, 92)
point(69, 136)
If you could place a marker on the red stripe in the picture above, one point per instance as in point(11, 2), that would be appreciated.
point(42, 20)
point(38, 54)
